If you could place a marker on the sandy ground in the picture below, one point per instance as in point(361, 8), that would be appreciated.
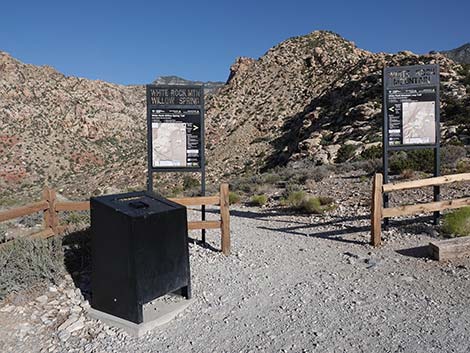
point(292, 284)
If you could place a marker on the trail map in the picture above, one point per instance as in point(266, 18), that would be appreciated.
point(169, 144)
point(419, 122)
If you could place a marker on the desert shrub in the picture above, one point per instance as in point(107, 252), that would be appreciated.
point(374, 152)
point(233, 198)
point(176, 191)
point(317, 204)
point(271, 178)
point(259, 200)
point(189, 182)
point(451, 155)
point(407, 174)
point(327, 140)
point(294, 199)
point(325, 200)
point(247, 184)
point(463, 166)
point(26, 262)
point(370, 166)
point(300, 201)
point(77, 217)
point(417, 160)
point(345, 153)
point(457, 223)
point(456, 111)
point(321, 172)
point(311, 205)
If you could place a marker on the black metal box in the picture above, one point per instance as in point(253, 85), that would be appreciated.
point(139, 252)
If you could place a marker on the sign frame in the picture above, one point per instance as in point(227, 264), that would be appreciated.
point(410, 83)
point(199, 107)
point(202, 167)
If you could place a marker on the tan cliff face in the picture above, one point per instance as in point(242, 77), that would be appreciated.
point(300, 101)
point(305, 98)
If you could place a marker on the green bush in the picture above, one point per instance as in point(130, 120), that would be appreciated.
point(233, 198)
point(311, 205)
point(295, 199)
point(300, 201)
point(417, 160)
point(374, 152)
point(463, 166)
point(457, 223)
point(77, 217)
point(271, 178)
point(26, 262)
point(451, 155)
point(345, 153)
point(259, 200)
point(190, 182)
point(456, 111)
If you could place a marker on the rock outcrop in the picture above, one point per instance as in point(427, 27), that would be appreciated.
point(308, 96)
point(460, 55)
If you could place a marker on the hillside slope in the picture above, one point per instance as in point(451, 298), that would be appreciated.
point(306, 97)
point(67, 132)
point(460, 55)
point(299, 102)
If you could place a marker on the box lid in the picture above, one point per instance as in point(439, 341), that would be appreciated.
point(137, 204)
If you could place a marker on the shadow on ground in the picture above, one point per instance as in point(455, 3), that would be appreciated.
point(417, 252)
point(342, 226)
point(77, 258)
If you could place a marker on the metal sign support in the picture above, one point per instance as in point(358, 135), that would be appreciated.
point(151, 169)
point(409, 84)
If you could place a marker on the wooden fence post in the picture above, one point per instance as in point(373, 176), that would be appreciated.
point(225, 219)
point(376, 212)
point(51, 217)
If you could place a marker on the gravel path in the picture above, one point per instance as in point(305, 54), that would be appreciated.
point(292, 284)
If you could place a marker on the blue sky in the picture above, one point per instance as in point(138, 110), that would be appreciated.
point(134, 41)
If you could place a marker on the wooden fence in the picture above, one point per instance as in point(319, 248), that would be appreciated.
point(379, 212)
point(51, 207)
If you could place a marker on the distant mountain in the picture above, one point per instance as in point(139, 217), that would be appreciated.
point(209, 86)
point(460, 54)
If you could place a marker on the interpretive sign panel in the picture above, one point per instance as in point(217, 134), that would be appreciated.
point(411, 115)
point(411, 105)
point(175, 127)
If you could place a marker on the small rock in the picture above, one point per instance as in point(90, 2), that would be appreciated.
point(42, 299)
point(77, 325)
point(68, 322)
point(110, 332)
point(7, 309)
point(372, 263)
point(76, 309)
point(64, 335)
point(407, 279)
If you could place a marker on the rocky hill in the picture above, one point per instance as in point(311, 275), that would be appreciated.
point(300, 102)
point(70, 133)
point(460, 55)
point(308, 96)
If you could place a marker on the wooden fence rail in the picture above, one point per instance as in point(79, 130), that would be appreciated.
point(378, 212)
point(51, 208)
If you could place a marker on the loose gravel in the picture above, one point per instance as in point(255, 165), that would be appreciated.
point(292, 284)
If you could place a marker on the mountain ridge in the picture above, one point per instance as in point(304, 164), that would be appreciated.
point(298, 103)
point(460, 54)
